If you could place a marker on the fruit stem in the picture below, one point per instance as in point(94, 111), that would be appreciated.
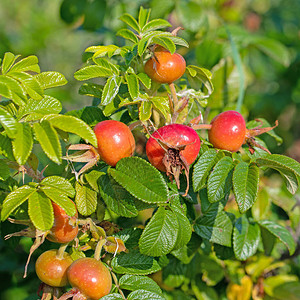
point(135, 124)
point(98, 249)
point(61, 250)
point(117, 285)
point(201, 126)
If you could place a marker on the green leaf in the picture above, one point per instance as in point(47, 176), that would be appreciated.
point(40, 211)
point(291, 180)
point(160, 234)
point(110, 89)
point(134, 263)
point(144, 15)
point(4, 170)
point(144, 79)
point(50, 79)
point(215, 225)
point(22, 143)
point(48, 105)
point(165, 42)
point(162, 105)
point(156, 24)
point(246, 238)
point(275, 50)
point(93, 71)
point(179, 41)
point(59, 183)
point(144, 295)
point(281, 233)
point(268, 240)
point(91, 89)
point(26, 64)
point(8, 60)
point(85, 199)
point(127, 34)
point(184, 228)
point(135, 282)
point(140, 179)
point(92, 178)
point(287, 290)
point(91, 115)
point(145, 110)
point(130, 236)
point(48, 139)
point(14, 199)
point(285, 166)
point(213, 271)
point(219, 180)
point(201, 75)
point(12, 89)
point(103, 62)
point(6, 147)
point(203, 167)
point(282, 286)
point(73, 125)
point(130, 21)
point(203, 291)
point(30, 84)
point(261, 207)
point(143, 44)
point(59, 198)
point(245, 185)
point(9, 123)
point(133, 85)
point(101, 51)
point(116, 197)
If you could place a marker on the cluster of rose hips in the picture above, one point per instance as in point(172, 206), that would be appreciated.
point(88, 276)
point(171, 148)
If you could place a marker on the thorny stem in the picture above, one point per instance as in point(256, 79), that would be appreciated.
point(98, 249)
point(61, 250)
point(117, 285)
point(37, 175)
point(25, 169)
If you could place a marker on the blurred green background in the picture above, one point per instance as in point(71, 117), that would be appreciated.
point(266, 34)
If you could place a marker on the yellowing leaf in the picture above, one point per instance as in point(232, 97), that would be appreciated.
point(240, 292)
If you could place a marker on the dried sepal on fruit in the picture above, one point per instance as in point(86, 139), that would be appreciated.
point(172, 149)
point(227, 131)
point(115, 141)
point(64, 230)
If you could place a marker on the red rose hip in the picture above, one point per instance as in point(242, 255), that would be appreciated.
point(90, 277)
point(65, 228)
point(173, 148)
point(228, 131)
point(115, 141)
point(165, 67)
point(52, 269)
